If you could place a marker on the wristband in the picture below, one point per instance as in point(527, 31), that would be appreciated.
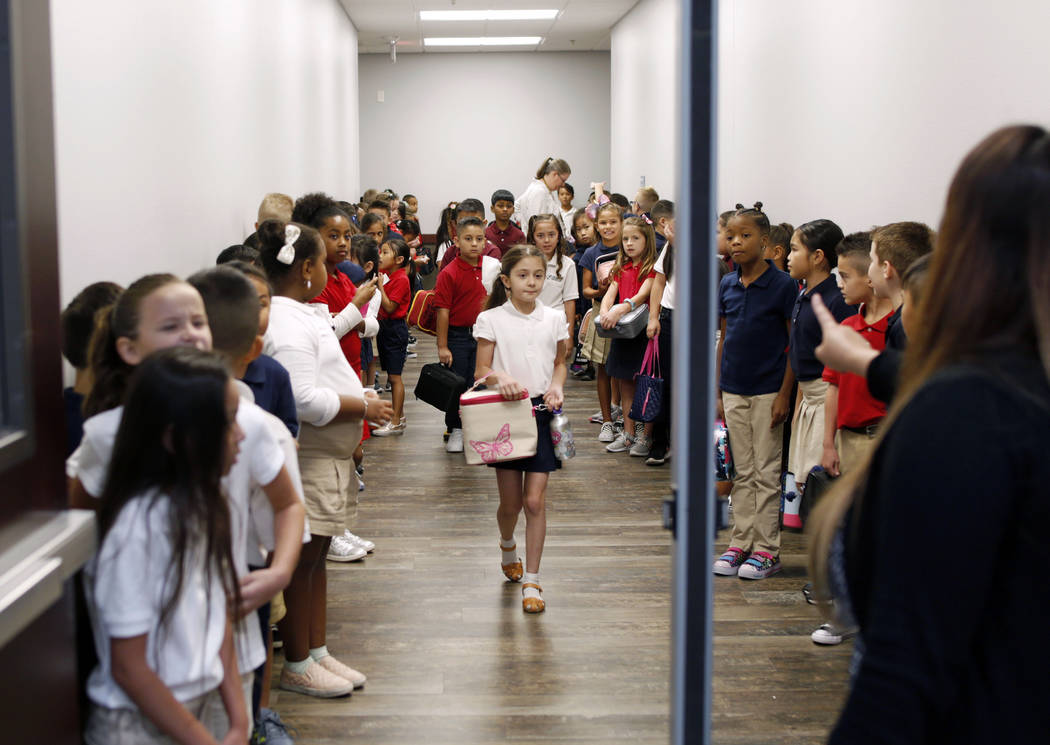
point(630, 302)
point(364, 414)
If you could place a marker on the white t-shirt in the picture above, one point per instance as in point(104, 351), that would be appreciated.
point(260, 460)
point(668, 299)
point(526, 345)
point(127, 586)
point(537, 199)
point(566, 221)
point(556, 292)
point(300, 337)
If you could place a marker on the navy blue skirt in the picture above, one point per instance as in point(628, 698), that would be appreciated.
point(544, 461)
point(625, 357)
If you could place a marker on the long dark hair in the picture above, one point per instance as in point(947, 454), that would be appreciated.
point(821, 235)
point(172, 444)
point(108, 368)
point(994, 240)
point(531, 237)
point(510, 259)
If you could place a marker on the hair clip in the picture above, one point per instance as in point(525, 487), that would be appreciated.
point(287, 253)
point(648, 219)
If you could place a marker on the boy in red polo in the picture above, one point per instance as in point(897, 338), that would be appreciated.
point(851, 413)
point(458, 297)
point(470, 208)
point(501, 232)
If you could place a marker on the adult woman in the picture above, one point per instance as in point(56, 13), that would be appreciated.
point(541, 195)
point(946, 651)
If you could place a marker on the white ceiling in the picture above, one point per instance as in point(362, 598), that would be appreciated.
point(581, 25)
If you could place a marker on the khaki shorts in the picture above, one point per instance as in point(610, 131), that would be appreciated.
point(594, 347)
point(326, 486)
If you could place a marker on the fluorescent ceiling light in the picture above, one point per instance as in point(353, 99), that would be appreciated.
point(482, 41)
point(487, 15)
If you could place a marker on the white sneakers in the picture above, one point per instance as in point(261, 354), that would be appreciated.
point(608, 433)
point(342, 549)
point(455, 441)
point(349, 547)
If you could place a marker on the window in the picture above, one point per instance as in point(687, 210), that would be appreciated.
point(15, 393)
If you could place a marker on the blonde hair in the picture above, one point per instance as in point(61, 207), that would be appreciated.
point(649, 195)
point(276, 206)
point(648, 260)
point(552, 165)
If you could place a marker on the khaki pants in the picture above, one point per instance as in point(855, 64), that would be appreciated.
point(756, 456)
point(853, 448)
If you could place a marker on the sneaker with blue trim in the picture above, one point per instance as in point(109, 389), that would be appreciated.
point(759, 566)
point(728, 564)
point(271, 730)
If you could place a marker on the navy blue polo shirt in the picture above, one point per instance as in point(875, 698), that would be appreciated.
point(805, 328)
point(754, 349)
point(895, 336)
point(272, 387)
point(352, 270)
point(587, 261)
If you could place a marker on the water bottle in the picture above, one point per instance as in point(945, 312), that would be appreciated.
point(561, 436)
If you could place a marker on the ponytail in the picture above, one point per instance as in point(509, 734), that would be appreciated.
point(120, 320)
point(552, 165)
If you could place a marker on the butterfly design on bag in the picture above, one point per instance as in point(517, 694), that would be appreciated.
point(501, 447)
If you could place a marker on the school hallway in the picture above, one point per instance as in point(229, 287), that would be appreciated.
point(452, 659)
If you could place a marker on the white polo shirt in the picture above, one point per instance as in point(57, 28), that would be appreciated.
point(668, 299)
point(258, 463)
point(300, 337)
point(557, 290)
point(526, 345)
point(127, 585)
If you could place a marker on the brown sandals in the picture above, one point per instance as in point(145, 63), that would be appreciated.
point(514, 571)
point(532, 605)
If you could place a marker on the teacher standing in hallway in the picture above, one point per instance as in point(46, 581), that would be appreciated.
point(541, 195)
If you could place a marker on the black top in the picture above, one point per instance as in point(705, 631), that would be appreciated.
point(946, 564)
point(805, 328)
point(895, 336)
point(883, 371)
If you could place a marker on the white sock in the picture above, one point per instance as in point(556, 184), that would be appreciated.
point(530, 592)
point(510, 551)
point(319, 652)
point(298, 667)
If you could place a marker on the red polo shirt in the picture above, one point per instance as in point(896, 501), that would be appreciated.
point(628, 281)
point(504, 239)
point(397, 289)
point(460, 289)
point(453, 251)
point(337, 294)
point(857, 407)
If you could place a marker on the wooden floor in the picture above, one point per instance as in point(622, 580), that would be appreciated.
point(451, 657)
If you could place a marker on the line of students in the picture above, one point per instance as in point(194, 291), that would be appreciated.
point(249, 473)
point(769, 334)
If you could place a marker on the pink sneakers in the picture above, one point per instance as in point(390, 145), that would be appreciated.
point(317, 681)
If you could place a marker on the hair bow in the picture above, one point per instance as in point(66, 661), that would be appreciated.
point(287, 253)
point(647, 218)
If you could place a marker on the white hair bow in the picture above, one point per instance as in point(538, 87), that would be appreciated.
point(287, 253)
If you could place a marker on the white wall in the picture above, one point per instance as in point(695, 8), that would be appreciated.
point(173, 119)
point(861, 111)
point(454, 125)
point(645, 101)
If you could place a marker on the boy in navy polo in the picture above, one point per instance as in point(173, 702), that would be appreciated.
point(458, 296)
point(501, 232)
point(755, 381)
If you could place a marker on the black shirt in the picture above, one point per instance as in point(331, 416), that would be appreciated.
point(805, 329)
point(946, 565)
point(883, 371)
